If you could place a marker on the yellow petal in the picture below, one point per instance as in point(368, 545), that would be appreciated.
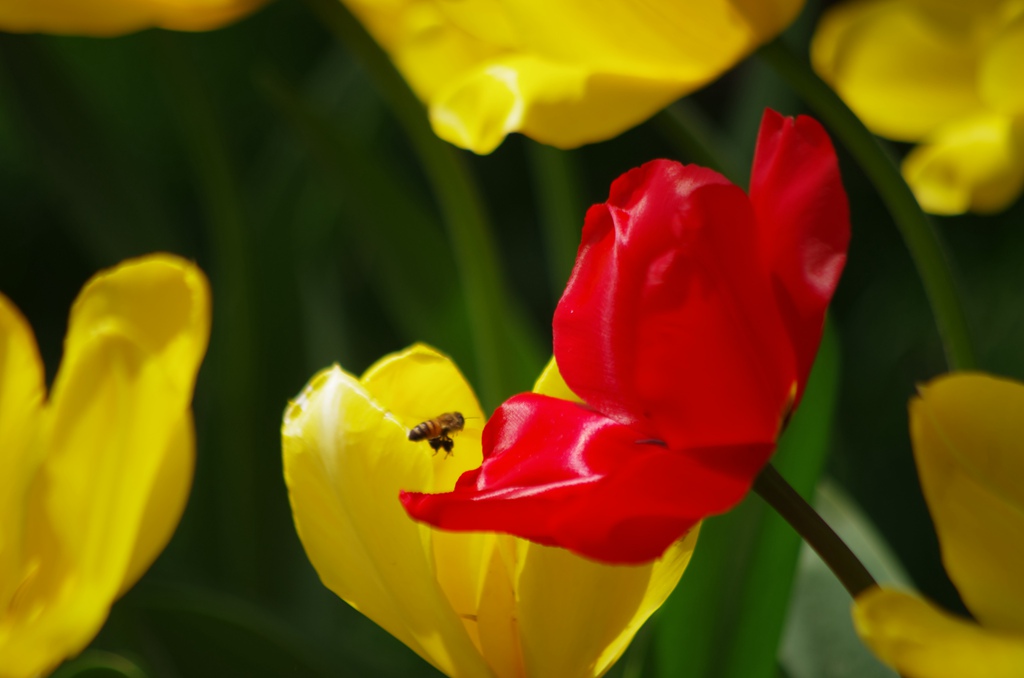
point(974, 164)
point(497, 620)
point(116, 17)
point(576, 616)
point(683, 42)
point(563, 105)
point(486, 69)
point(566, 629)
point(345, 459)
point(1002, 70)
point(622, 63)
point(92, 520)
point(162, 303)
point(110, 420)
point(471, 604)
point(119, 409)
point(550, 382)
point(921, 641)
point(418, 384)
point(896, 68)
point(87, 501)
point(969, 446)
point(166, 500)
point(415, 385)
point(21, 399)
point(978, 16)
point(431, 46)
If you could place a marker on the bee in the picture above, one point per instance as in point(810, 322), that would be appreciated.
point(436, 431)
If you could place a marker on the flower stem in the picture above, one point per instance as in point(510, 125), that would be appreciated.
point(556, 182)
point(692, 137)
point(833, 551)
point(232, 344)
point(919, 234)
point(508, 353)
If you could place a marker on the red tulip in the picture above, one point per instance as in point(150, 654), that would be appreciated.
point(688, 329)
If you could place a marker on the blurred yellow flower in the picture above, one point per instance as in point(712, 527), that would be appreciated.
point(563, 73)
point(968, 435)
point(93, 478)
point(471, 604)
point(105, 18)
point(945, 74)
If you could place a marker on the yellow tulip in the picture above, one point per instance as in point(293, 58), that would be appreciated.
point(564, 73)
point(945, 75)
point(968, 436)
point(471, 604)
point(105, 18)
point(94, 477)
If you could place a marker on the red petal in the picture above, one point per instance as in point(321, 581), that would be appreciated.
point(804, 221)
point(668, 322)
point(561, 474)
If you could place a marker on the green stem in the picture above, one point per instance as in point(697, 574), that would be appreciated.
point(557, 186)
point(497, 325)
point(232, 345)
point(833, 551)
point(919, 234)
point(685, 128)
point(772, 553)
